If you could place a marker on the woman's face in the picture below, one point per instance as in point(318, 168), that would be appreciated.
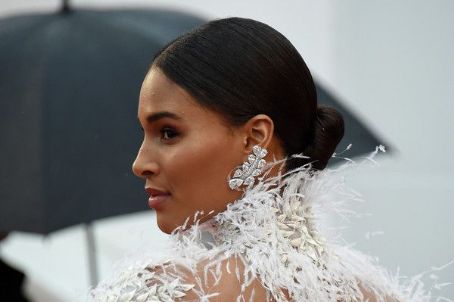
point(187, 153)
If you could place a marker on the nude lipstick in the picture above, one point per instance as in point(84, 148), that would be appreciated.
point(157, 198)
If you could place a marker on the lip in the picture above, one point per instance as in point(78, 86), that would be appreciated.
point(157, 198)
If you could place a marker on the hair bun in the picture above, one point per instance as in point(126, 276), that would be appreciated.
point(328, 132)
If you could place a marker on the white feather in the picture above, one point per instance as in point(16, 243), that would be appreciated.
point(276, 231)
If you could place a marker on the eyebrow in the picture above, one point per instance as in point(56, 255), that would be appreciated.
point(162, 114)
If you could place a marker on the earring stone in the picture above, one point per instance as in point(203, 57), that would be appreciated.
point(250, 169)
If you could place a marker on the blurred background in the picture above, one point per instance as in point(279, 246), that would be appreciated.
point(390, 63)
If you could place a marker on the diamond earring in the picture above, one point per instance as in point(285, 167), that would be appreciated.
point(250, 169)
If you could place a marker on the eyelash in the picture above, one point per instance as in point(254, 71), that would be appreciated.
point(171, 130)
point(165, 130)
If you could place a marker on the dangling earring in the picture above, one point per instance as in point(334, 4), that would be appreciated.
point(250, 169)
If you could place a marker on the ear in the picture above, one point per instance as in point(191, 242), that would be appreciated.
point(258, 130)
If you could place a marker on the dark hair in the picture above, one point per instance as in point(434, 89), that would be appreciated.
point(240, 68)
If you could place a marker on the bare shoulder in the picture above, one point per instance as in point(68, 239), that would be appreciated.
point(369, 296)
point(224, 280)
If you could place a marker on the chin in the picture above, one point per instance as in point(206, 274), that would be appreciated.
point(169, 224)
point(165, 225)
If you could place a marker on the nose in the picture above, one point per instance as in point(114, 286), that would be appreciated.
point(144, 165)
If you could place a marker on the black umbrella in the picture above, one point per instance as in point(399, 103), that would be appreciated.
point(69, 85)
point(357, 133)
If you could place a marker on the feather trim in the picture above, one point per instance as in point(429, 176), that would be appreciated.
point(277, 232)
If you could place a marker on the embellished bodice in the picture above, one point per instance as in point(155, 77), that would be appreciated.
point(277, 231)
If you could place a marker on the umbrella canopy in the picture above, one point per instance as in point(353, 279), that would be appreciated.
point(69, 86)
point(357, 133)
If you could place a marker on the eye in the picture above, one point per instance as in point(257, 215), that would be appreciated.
point(168, 133)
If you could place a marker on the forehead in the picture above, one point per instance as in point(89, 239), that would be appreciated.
point(158, 93)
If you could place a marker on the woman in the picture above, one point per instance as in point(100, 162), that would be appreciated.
point(232, 157)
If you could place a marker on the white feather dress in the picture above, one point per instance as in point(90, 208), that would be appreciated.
point(276, 231)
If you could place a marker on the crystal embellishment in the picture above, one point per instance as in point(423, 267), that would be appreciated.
point(297, 225)
point(250, 169)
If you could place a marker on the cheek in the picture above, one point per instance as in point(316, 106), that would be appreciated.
point(198, 173)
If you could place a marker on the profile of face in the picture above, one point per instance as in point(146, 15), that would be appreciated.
point(188, 152)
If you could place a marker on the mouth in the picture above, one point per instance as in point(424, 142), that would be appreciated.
point(157, 198)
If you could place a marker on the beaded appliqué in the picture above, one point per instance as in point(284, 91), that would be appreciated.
point(250, 169)
point(296, 225)
point(142, 285)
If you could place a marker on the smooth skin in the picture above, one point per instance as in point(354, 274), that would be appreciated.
point(189, 150)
